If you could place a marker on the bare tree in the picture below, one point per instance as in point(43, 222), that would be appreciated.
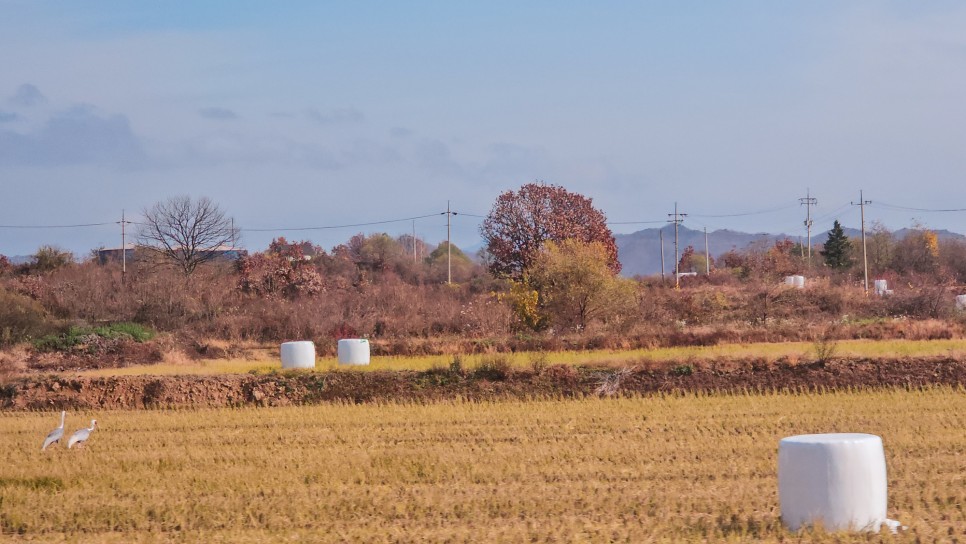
point(186, 233)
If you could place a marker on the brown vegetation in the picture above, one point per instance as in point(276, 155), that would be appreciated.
point(379, 287)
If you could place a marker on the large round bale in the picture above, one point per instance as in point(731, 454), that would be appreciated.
point(834, 480)
point(298, 354)
point(353, 351)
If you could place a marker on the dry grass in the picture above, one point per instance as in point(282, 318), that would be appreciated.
point(788, 351)
point(668, 469)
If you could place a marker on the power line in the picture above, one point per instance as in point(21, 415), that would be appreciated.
point(894, 207)
point(80, 225)
point(329, 227)
point(841, 210)
point(745, 214)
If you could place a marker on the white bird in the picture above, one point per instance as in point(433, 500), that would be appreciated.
point(56, 434)
point(81, 435)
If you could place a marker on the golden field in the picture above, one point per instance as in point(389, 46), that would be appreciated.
point(652, 469)
point(265, 360)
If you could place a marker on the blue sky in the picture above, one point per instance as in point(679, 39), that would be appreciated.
point(302, 114)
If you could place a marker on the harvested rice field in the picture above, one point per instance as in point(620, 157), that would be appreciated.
point(676, 468)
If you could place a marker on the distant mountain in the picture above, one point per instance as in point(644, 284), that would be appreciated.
point(640, 252)
point(20, 259)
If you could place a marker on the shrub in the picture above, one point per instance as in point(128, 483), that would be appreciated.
point(682, 370)
point(456, 366)
point(495, 367)
point(76, 336)
point(21, 318)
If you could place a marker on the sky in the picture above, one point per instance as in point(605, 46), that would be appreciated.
point(306, 114)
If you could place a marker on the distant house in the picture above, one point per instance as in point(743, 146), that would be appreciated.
point(115, 255)
point(228, 253)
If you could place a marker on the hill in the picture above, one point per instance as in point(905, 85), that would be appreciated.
point(640, 252)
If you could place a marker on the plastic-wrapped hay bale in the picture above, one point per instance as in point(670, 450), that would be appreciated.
point(836, 480)
point(298, 355)
point(961, 302)
point(353, 351)
point(799, 281)
point(881, 286)
point(790, 281)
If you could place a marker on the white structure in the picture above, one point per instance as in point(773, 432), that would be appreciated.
point(961, 302)
point(837, 480)
point(353, 351)
point(795, 281)
point(881, 287)
point(298, 355)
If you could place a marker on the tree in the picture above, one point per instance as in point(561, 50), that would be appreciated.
point(917, 252)
point(521, 222)
point(576, 284)
point(185, 232)
point(837, 249)
point(881, 246)
point(462, 266)
point(49, 258)
point(282, 271)
point(686, 263)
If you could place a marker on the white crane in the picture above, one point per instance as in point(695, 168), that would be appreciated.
point(56, 434)
point(80, 436)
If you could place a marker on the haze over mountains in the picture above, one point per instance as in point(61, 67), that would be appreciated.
point(640, 252)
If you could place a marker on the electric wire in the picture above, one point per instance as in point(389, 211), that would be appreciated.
point(330, 227)
point(907, 208)
point(79, 225)
point(636, 222)
point(745, 214)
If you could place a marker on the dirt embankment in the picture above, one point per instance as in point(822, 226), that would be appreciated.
point(136, 392)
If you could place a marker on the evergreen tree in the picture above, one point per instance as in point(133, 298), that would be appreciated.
point(837, 249)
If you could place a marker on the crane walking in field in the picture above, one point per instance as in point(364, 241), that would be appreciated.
point(80, 436)
point(56, 434)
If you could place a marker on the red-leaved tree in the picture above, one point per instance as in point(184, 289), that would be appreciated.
point(522, 221)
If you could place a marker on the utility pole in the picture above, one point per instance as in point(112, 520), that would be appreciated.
point(808, 202)
point(414, 241)
point(865, 259)
point(678, 218)
point(661, 234)
point(449, 255)
point(124, 224)
point(707, 254)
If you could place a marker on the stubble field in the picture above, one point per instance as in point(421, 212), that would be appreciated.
point(663, 469)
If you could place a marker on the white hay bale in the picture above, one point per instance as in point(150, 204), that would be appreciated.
point(353, 351)
point(298, 354)
point(881, 286)
point(836, 480)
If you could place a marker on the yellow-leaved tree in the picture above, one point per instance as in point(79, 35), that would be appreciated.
point(577, 286)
